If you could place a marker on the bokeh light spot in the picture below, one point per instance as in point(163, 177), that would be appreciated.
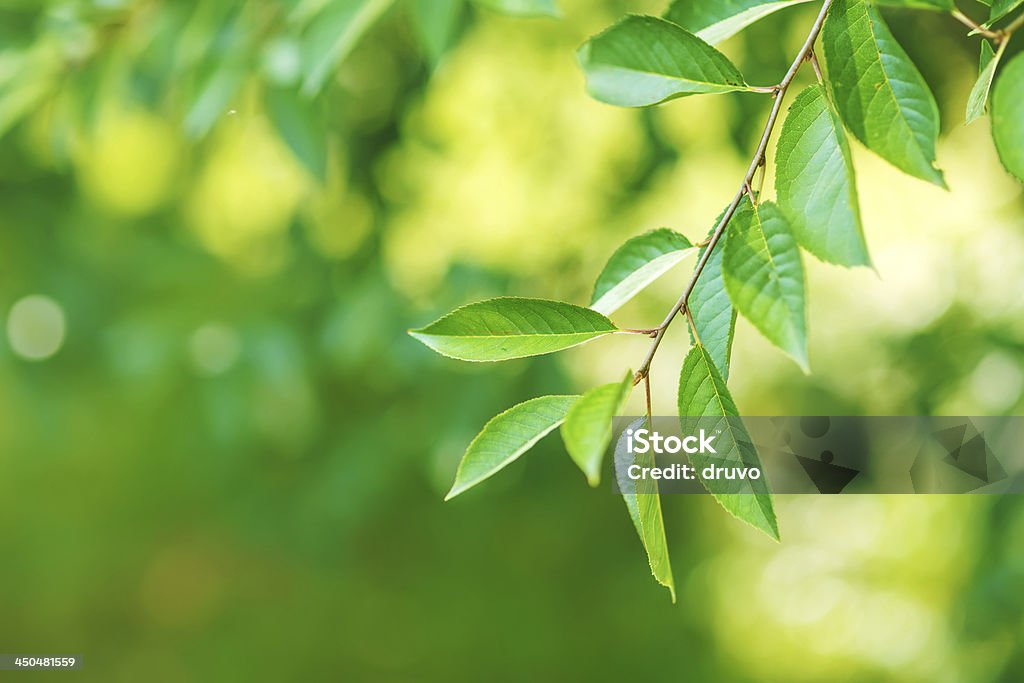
point(36, 327)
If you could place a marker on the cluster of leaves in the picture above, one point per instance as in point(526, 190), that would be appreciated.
point(752, 263)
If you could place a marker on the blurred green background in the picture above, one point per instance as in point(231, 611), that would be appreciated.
point(222, 458)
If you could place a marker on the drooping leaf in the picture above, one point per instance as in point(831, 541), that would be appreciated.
point(507, 436)
point(881, 97)
point(522, 8)
point(814, 180)
point(331, 35)
point(587, 429)
point(1008, 116)
point(435, 23)
point(635, 265)
point(937, 5)
point(716, 20)
point(703, 393)
point(988, 62)
point(646, 60)
point(765, 276)
point(301, 125)
point(643, 502)
point(1000, 8)
point(512, 327)
point(713, 312)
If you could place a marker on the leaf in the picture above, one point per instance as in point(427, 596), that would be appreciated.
point(716, 20)
point(880, 95)
point(507, 436)
point(436, 23)
point(331, 36)
point(814, 181)
point(587, 430)
point(702, 392)
point(1000, 8)
point(643, 502)
point(522, 8)
point(1008, 116)
point(937, 5)
point(765, 276)
point(635, 265)
point(713, 313)
point(646, 60)
point(301, 126)
point(512, 327)
point(978, 100)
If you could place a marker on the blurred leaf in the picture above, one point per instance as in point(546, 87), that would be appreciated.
point(703, 393)
point(989, 61)
point(765, 276)
point(587, 430)
point(27, 77)
point(939, 5)
point(435, 23)
point(218, 84)
point(507, 436)
point(643, 502)
point(1000, 8)
point(1008, 116)
point(646, 60)
point(512, 327)
point(301, 126)
point(815, 182)
point(635, 265)
point(716, 20)
point(331, 36)
point(522, 8)
point(712, 311)
point(880, 94)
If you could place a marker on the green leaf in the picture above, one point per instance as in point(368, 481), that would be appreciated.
point(1008, 116)
point(635, 265)
point(512, 327)
point(716, 20)
point(880, 95)
point(702, 392)
point(507, 436)
point(436, 23)
point(1000, 8)
point(765, 276)
point(815, 184)
point(713, 312)
point(643, 502)
point(989, 61)
point(937, 5)
point(331, 36)
point(300, 124)
point(522, 8)
point(587, 430)
point(645, 60)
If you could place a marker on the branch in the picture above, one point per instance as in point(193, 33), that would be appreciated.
point(976, 27)
point(778, 93)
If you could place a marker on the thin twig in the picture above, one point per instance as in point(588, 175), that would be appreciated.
point(779, 93)
point(976, 27)
point(647, 393)
point(813, 57)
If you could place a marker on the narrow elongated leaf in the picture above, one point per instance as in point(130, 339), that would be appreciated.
point(713, 312)
point(937, 5)
point(646, 60)
point(703, 393)
point(435, 23)
point(1000, 8)
point(1008, 116)
point(512, 327)
point(301, 125)
point(815, 182)
point(988, 62)
point(507, 436)
point(716, 20)
point(635, 265)
point(765, 277)
point(643, 502)
point(587, 430)
point(332, 35)
point(880, 95)
point(522, 8)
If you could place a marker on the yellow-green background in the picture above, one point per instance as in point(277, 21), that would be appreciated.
point(232, 467)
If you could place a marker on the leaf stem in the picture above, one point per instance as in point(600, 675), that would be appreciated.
point(779, 93)
point(977, 28)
